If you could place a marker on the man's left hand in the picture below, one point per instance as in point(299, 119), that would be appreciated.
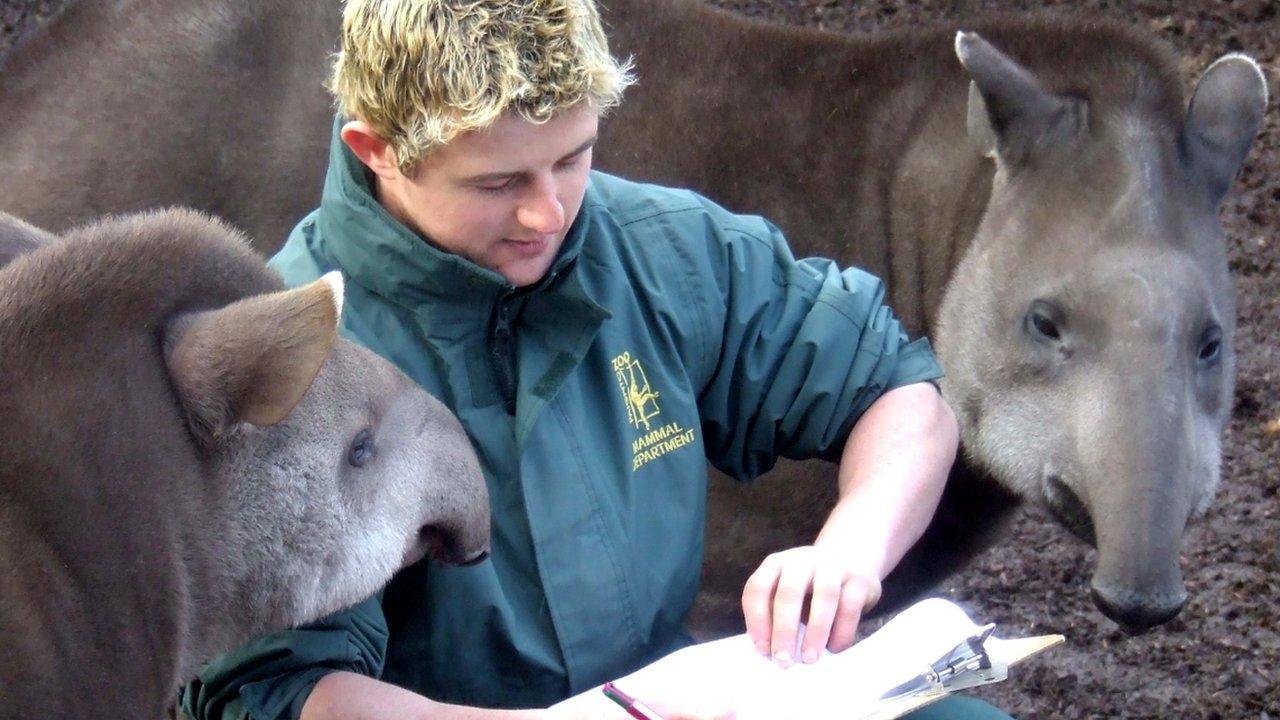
point(837, 594)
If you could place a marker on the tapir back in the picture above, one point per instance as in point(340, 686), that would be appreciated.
point(856, 146)
point(213, 105)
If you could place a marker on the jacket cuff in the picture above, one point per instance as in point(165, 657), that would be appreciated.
point(280, 698)
point(271, 677)
point(916, 363)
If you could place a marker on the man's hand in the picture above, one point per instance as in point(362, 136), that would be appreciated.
point(838, 593)
point(892, 471)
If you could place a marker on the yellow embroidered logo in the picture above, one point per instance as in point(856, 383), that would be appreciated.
point(642, 401)
point(642, 406)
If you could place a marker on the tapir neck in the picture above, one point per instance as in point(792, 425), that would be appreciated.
point(229, 604)
point(208, 628)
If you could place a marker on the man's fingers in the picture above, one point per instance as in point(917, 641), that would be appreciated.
point(788, 602)
point(855, 597)
point(757, 603)
point(824, 600)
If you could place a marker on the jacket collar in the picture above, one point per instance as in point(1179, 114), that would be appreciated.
point(378, 252)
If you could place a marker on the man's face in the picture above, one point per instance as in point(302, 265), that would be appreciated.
point(503, 197)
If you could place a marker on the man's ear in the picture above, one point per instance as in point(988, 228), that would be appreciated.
point(367, 145)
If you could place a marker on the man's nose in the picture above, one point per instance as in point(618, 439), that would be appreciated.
point(542, 212)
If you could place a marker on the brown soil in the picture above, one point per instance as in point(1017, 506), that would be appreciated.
point(1221, 657)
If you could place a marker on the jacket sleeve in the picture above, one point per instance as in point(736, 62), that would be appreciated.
point(798, 349)
point(271, 677)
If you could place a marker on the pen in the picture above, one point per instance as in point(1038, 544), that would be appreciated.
point(634, 707)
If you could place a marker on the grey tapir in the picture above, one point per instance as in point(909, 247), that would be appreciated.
point(869, 149)
point(1051, 220)
point(192, 458)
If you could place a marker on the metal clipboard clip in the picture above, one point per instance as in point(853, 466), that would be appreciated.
point(964, 666)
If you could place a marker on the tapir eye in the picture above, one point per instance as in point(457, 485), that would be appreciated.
point(362, 449)
point(1210, 344)
point(1040, 322)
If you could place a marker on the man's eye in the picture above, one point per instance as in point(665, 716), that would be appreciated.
point(496, 187)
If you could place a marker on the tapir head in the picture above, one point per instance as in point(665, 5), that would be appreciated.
point(211, 459)
point(1088, 333)
point(338, 469)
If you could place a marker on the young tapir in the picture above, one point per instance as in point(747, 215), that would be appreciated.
point(192, 458)
point(1055, 231)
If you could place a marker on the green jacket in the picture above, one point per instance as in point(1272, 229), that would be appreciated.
point(668, 332)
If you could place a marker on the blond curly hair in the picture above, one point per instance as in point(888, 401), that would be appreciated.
point(420, 72)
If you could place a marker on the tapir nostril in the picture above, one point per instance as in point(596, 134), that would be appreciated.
point(439, 547)
point(479, 558)
point(1138, 617)
point(444, 546)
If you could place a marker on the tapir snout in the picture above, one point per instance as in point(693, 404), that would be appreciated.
point(454, 520)
point(1146, 434)
point(1144, 487)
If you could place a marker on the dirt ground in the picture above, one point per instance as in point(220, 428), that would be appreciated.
point(1221, 657)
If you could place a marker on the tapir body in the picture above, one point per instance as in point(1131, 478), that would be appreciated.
point(1053, 227)
point(192, 459)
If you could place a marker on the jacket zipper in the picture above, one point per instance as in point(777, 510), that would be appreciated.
point(504, 354)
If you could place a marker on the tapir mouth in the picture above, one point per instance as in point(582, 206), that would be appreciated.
point(441, 545)
point(1067, 508)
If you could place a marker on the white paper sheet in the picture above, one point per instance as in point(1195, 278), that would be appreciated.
point(836, 686)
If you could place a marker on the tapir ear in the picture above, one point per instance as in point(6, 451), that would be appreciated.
point(1224, 116)
point(18, 238)
point(253, 360)
point(1010, 113)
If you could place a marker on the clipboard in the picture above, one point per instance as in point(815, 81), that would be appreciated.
point(981, 659)
point(921, 655)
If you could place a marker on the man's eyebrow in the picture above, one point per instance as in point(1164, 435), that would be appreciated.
point(490, 177)
point(581, 148)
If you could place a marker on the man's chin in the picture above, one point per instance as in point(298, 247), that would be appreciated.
point(526, 273)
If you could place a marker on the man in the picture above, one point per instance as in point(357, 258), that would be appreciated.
point(599, 340)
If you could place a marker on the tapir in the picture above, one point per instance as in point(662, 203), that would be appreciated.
point(1043, 205)
point(1047, 211)
point(192, 458)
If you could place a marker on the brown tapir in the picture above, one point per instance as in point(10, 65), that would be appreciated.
point(1055, 230)
point(192, 458)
